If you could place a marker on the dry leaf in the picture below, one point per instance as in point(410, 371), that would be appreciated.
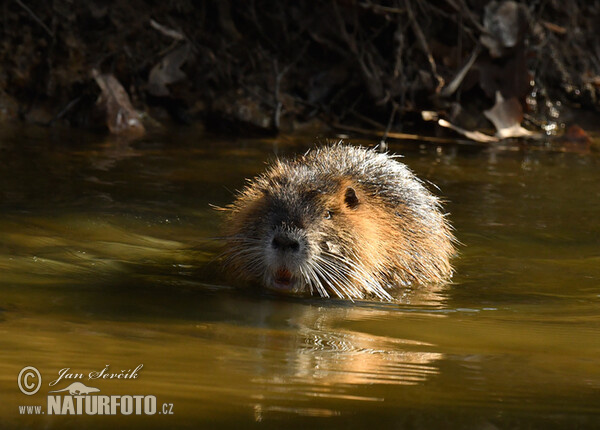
point(575, 135)
point(168, 71)
point(506, 115)
point(473, 135)
point(457, 80)
point(169, 32)
point(121, 117)
point(429, 115)
point(505, 23)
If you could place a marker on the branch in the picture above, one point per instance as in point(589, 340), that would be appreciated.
point(35, 17)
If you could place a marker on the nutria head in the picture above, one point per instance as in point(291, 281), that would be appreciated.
point(292, 230)
point(324, 224)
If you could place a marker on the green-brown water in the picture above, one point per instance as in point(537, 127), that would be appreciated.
point(105, 259)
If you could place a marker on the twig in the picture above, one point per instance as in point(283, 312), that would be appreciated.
point(465, 11)
point(278, 77)
point(423, 43)
point(382, 143)
point(366, 119)
point(399, 40)
point(258, 27)
point(477, 136)
point(369, 69)
point(35, 17)
point(455, 83)
point(67, 108)
point(384, 10)
point(351, 41)
point(392, 135)
point(278, 104)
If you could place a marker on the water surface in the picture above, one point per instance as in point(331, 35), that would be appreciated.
point(107, 258)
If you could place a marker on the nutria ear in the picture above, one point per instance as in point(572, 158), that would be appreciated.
point(350, 198)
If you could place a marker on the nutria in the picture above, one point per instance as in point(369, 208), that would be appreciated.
point(339, 221)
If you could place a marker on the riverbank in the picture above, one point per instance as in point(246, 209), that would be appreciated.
point(268, 67)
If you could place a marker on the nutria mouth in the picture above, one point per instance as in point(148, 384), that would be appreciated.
point(283, 279)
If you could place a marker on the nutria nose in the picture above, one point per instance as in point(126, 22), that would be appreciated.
point(285, 243)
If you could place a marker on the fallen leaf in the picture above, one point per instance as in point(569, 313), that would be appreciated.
point(575, 139)
point(594, 80)
point(429, 115)
point(121, 117)
point(576, 134)
point(506, 115)
point(169, 32)
point(506, 24)
point(168, 71)
point(473, 135)
point(457, 80)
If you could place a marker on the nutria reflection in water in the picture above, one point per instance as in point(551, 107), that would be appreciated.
point(338, 221)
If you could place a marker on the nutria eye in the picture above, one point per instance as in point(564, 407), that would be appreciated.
point(328, 214)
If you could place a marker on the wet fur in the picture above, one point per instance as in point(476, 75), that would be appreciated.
point(386, 232)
